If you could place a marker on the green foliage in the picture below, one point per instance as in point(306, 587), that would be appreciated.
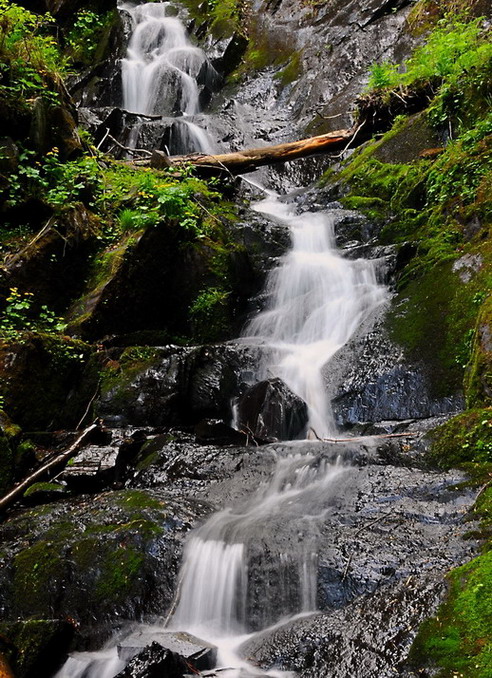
point(84, 36)
point(209, 313)
point(458, 639)
point(463, 439)
point(382, 76)
point(456, 46)
point(30, 59)
point(19, 316)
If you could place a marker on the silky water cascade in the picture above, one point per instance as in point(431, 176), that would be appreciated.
point(162, 75)
point(316, 300)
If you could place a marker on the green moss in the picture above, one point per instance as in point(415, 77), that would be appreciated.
point(120, 569)
point(43, 487)
point(458, 640)
point(137, 499)
point(36, 571)
point(465, 438)
point(291, 72)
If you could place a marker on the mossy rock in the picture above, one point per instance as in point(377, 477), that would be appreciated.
point(37, 647)
point(114, 555)
point(46, 380)
point(407, 141)
point(458, 640)
point(463, 439)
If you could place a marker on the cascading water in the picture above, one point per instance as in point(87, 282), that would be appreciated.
point(162, 73)
point(317, 299)
point(238, 574)
point(215, 599)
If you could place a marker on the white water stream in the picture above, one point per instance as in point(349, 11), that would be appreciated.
point(316, 301)
point(161, 70)
point(239, 572)
point(214, 601)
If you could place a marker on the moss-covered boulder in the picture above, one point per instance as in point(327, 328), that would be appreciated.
point(94, 559)
point(36, 648)
point(46, 381)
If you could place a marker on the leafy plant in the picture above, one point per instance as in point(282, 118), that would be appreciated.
point(30, 58)
point(19, 316)
point(84, 36)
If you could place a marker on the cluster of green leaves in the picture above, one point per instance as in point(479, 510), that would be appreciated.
point(19, 316)
point(60, 184)
point(209, 313)
point(454, 47)
point(30, 57)
point(143, 197)
point(84, 35)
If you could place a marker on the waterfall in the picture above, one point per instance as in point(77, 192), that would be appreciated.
point(316, 301)
point(213, 598)
point(162, 73)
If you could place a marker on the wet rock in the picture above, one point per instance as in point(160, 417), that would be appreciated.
point(178, 385)
point(154, 662)
point(270, 410)
point(36, 648)
point(214, 431)
point(370, 639)
point(371, 379)
point(233, 54)
point(200, 654)
point(98, 466)
point(94, 558)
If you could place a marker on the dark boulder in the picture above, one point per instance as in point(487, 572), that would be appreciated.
point(175, 385)
point(200, 654)
point(270, 410)
point(156, 661)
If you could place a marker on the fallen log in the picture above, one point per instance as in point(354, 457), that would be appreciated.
point(60, 460)
point(249, 160)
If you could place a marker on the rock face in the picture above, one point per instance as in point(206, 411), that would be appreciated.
point(179, 385)
point(93, 558)
point(269, 410)
point(372, 380)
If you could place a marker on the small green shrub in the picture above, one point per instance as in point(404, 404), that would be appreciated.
point(19, 316)
point(30, 58)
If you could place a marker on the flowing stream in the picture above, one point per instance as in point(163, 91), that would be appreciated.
point(214, 600)
point(316, 300)
point(163, 72)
